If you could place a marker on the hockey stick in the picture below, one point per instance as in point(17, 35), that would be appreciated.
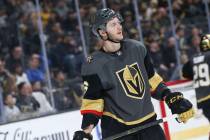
point(136, 129)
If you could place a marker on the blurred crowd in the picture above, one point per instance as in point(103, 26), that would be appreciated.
point(23, 78)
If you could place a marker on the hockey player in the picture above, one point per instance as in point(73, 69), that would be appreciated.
point(119, 81)
point(198, 70)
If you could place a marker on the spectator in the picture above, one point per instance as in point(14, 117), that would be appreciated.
point(180, 34)
point(25, 101)
point(7, 80)
point(16, 56)
point(27, 6)
point(194, 46)
point(177, 9)
point(70, 22)
point(45, 15)
point(195, 31)
point(55, 31)
point(61, 8)
point(169, 55)
point(12, 112)
point(3, 17)
point(64, 97)
point(133, 33)
point(129, 23)
point(68, 55)
point(193, 8)
point(19, 74)
point(160, 18)
point(74, 58)
point(38, 94)
point(35, 72)
point(157, 57)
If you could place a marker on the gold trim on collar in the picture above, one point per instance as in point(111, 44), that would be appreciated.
point(155, 81)
point(131, 122)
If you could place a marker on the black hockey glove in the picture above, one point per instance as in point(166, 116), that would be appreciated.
point(81, 135)
point(179, 105)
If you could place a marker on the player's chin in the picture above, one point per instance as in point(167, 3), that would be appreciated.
point(119, 38)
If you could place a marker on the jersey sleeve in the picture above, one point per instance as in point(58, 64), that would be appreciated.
point(158, 88)
point(92, 102)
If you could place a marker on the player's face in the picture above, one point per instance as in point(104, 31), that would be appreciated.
point(114, 29)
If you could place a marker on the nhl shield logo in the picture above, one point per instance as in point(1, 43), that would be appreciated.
point(132, 81)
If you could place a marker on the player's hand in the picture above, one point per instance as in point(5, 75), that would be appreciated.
point(81, 135)
point(179, 105)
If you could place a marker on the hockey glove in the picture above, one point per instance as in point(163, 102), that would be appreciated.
point(179, 105)
point(81, 135)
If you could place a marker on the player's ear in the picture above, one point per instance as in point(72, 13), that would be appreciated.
point(103, 34)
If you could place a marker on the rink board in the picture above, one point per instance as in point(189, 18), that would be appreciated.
point(61, 126)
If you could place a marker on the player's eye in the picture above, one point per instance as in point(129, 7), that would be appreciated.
point(115, 23)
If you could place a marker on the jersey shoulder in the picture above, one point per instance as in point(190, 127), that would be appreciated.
point(201, 58)
point(135, 45)
point(207, 55)
point(93, 63)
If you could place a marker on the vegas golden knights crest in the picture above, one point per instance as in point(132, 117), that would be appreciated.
point(132, 81)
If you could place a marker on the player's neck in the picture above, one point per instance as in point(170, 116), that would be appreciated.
point(110, 47)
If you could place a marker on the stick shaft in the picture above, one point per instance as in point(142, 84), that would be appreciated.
point(136, 129)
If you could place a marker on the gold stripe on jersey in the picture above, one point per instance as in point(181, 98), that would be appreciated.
point(97, 105)
point(203, 99)
point(131, 122)
point(155, 81)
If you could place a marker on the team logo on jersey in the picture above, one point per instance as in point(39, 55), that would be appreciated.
point(132, 81)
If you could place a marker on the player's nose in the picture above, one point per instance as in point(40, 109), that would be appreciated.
point(119, 27)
